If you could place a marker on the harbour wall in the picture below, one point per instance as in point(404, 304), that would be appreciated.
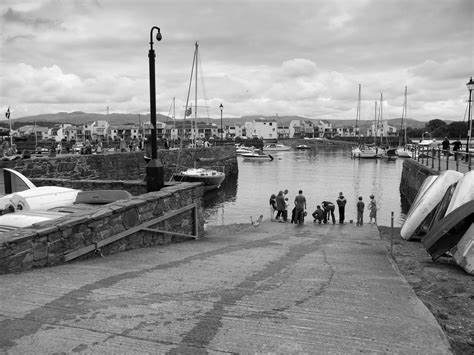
point(122, 166)
point(413, 175)
point(170, 215)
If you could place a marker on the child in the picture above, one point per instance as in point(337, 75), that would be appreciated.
point(373, 209)
point(318, 214)
point(360, 212)
point(287, 204)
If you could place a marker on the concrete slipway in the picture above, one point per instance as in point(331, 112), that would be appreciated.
point(276, 288)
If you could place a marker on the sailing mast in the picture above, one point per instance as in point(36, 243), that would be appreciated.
point(358, 116)
point(195, 93)
point(380, 124)
point(375, 125)
point(403, 123)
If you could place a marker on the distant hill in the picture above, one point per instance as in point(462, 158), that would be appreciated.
point(79, 118)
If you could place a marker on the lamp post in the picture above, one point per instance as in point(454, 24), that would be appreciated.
point(470, 87)
point(154, 168)
point(222, 131)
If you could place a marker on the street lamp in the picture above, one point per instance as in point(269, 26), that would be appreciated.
point(222, 132)
point(154, 168)
point(470, 87)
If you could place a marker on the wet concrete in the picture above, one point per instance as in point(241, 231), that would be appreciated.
point(276, 288)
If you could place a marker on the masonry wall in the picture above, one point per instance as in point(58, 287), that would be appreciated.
point(413, 175)
point(48, 243)
point(122, 166)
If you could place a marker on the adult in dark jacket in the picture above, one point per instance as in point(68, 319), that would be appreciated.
point(280, 205)
point(341, 204)
point(329, 211)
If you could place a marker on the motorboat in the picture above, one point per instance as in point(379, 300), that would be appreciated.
point(303, 147)
point(274, 147)
point(257, 155)
point(211, 178)
point(243, 150)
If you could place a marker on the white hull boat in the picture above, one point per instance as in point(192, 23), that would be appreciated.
point(403, 153)
point(40, 198)
point(365, 153)
point(13, 181)
point(463, 252)
point(211, 179)
point(428, 202)
point(257, 155)
point(273, 147)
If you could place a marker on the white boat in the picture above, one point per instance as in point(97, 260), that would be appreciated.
point(428, 202)
point(303, 147)
point(242, 150)
point(463, 252)
point(257, 155)
point(13, 181)
point(274, 147)
point(403, 152)
point(211, 179)
point(365, 152)
point(40, 198)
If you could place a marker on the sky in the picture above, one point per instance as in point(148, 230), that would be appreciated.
point(257, 57)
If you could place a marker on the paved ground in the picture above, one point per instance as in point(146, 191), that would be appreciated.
point(277, 288)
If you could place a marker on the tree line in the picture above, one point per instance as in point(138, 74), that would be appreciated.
point(440, 129)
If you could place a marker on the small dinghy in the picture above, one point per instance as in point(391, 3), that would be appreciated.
point(428, 202)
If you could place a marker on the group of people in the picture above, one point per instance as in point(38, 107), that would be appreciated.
point(457, 145)
point(279, 204)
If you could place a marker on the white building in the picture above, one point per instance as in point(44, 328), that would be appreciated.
point(383, 130)
point(266, 129)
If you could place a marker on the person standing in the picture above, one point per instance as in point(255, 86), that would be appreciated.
point(341, 204)
point(373, 209)
point(300, 207)
point(445, 146)
point(360, 212)
point(457, 145)
point(272, 206)
point(280, 206)
point(328, 211)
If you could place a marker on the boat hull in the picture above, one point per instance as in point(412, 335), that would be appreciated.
point(211, 179)
point(13, 181)
point(428, 202)
point(448, 231)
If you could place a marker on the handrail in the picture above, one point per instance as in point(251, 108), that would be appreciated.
point(443, 159)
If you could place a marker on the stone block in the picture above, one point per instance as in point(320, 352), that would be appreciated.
point(40, 249)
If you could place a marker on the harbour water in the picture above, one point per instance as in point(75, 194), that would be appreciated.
point(321, 173)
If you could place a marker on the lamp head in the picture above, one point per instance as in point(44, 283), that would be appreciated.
point(158, 36)
point(221, 106)
point(470, 85)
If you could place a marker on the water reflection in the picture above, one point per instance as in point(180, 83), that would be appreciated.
point(320, 172)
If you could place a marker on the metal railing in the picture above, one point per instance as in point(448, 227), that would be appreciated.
point(442, 159)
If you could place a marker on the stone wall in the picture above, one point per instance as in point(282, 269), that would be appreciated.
point(52, 242)
point(122, 166)
point(413, 175)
